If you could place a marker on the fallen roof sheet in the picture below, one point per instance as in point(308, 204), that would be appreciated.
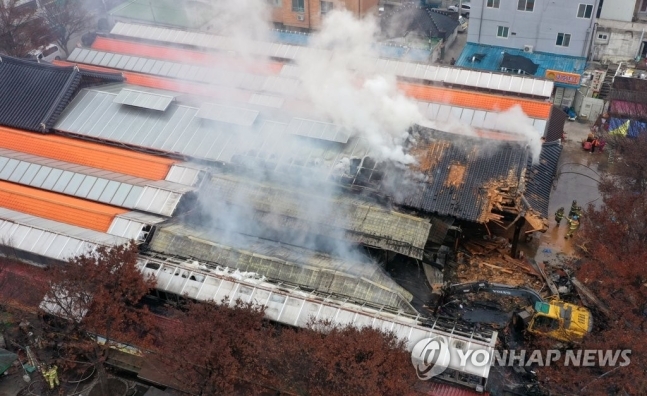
point(34, 94)
point(159, 197)
point(539, 177)
point(462, 173)
point(85, 153)
point(294, 307)
point(451, 75)
point(58, 207)
point(365, 281)
point(145, 100)
point(346, 218)
point(49, 238)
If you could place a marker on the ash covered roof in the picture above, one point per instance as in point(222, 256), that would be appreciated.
point(283, 211)
point(539, 177)
point(462, 174)
point(357, 279)
point(33, 95)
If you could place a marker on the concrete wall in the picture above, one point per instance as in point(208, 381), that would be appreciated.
point(538, 28)
point(622, 43)
point(618, 10)
point(311, 14)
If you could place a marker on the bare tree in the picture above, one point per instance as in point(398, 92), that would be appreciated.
point(66, 18)
point(20, 28)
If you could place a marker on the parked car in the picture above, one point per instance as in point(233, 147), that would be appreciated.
point(465, 8)
point(47, 53)
point(462, 24)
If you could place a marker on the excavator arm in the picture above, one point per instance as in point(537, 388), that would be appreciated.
point(496, 288)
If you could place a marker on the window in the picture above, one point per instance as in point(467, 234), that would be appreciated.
point(493, 3)
point(275, 3)
point(526, 5)
point(326, 6)
point(603, 36)
point(502, 32)
point(585, 11)
point(643, 6)
point(563, 39)
point(298, 6)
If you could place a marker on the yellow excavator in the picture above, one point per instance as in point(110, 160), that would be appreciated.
point(550, 318)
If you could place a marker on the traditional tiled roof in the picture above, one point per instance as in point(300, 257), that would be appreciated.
point(400, 21)
point(33, 95)
point(462, 174)
point(539, 177)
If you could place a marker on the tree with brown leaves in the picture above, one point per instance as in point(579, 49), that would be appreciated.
point(615, 235)
point(67, 18)
point(21, 30)
point(211, 349)
point(96, 296)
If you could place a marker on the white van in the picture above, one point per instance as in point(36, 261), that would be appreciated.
point(465, 8)
point(47, 53)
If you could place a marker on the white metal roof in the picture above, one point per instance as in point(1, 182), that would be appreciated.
point(159, 197)
point(185, 173)
point(49, 238)
point(473, 117)
point(452, 75)
point(294, 307)
point(133, 225)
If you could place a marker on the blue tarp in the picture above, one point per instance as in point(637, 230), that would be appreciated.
point(626, 127)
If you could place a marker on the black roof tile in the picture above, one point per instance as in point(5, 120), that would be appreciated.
point(33, 95)
point(399, 21)
point(457, 172)
point(539, 177)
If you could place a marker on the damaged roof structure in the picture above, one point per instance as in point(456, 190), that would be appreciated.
point(234, 186)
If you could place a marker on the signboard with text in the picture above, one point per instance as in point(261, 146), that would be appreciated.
point(563, 77)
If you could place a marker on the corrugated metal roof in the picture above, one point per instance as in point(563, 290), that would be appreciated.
point(539, 177)
point(451, 75)
point(318, 130)
point(185, 174)
point(358, 279)
point(184, 71)
point(49, 238)
point(228, 114)
point(160, 197)
point(58, 207)
point(460, 171)
point(494, 56)
point(182, 55)
point(85, 153)
point(280, 209)
point(480, 119)
point(293, 307)
point(133, 225)
point(475, 100)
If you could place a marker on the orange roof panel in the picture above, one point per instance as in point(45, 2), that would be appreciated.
point(475, 100)
point(185, 56)
point(58, 207)
point(81, 152)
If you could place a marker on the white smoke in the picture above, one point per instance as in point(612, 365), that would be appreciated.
point(516, 122)
point(369, 105)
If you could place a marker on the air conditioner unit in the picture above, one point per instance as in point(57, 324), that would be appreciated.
point(301, 18)
point(528, 48)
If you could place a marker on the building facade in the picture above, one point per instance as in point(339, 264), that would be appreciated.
point(620, 31)
point(309, 14)
point(557, 27)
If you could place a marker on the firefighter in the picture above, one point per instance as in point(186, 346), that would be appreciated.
point(559, 215)
point(51, 376)
point(573, 225)
point(574, 209)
